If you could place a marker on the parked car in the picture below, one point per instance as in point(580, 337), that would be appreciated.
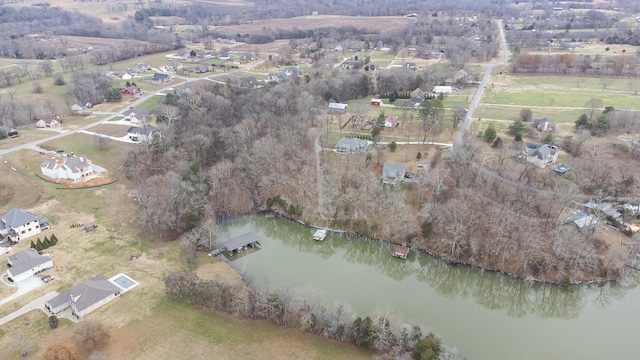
point(46, 278)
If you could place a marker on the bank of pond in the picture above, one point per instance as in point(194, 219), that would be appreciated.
point(486, 315)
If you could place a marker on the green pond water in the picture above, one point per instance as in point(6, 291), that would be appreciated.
point(484, 314)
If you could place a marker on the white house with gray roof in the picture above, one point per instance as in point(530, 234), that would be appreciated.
point(136, 116)
point(27, 263)
point(72, 168)
point(351, 146)
point(18, 224)
point(392, 173)
point(85, 297)
point(541, 154)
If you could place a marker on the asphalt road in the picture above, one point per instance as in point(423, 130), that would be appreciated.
point(457, 141)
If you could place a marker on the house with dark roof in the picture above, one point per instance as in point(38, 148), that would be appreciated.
point(49, 121)
point(85, 297)
point(9, 131)
point(160, 78)
point(72, 168)
point(142, 134)
point(541, 154)
point(351, 146)
point(544, 125)
point(136, 116)
point(18, 224)
point(392, 173)
point(27, 263)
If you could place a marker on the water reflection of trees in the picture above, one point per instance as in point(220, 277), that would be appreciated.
point(495, 291)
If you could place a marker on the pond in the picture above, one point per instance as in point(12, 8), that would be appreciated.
point(485, 315)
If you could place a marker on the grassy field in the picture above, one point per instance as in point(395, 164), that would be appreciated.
point(561, 99)
point(110, 129)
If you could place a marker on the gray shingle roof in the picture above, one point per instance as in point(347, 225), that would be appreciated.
point(392, 170)
point(26, 260)
point(16, 217)
point(92, 291)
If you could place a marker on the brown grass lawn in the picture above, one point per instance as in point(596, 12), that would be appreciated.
point(143, 323)
point(26, 135)
point(379, 23)
point(110, 129)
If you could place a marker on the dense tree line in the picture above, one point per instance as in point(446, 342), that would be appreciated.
point(571, 64)
point(298, 308)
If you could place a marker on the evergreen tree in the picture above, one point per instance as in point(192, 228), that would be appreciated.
point(53, 240)
point(39, 245)
point(583, 122)
point(498, 143)
point(46, 243)
point(33, 245)
point(393, 146)
point(113, 95)
point(518, 127)
point(490, 133)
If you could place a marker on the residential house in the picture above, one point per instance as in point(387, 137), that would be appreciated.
point(201, 69)
point(391, 121)
point(541, 154)
point(160, 78)
point(136, 116)
point(173, 65)
point(544, 125)
point(411, 66)
point(9, 131)
point(142, 134)
point(430, 53)
point(277, 77)
point(412, 48)
point(442, 89)
point(249, 82)
point(392, 173)
point(351, 65)
point(49, 121)
point(108, 73)
point(127, 75)
point(18, 224)
point(71, 168)
point(141, 67)
point(247, 57)
point(129, 90)
point(27, 263)
point(418, 93)
point(351, 146)
point(604, 208)
point(461, 77)
point(81, 106)
point(85, 297)
point(337, 108)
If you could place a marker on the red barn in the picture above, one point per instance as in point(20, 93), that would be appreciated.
point(376, 102)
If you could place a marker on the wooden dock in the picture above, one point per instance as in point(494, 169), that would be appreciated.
point(401, 252)
point(320, 234)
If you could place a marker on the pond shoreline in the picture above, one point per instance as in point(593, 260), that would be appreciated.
point(449, 261)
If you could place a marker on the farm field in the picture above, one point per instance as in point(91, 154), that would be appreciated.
point(379, 24)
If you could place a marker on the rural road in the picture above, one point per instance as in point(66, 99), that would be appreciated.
point(457, 141)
